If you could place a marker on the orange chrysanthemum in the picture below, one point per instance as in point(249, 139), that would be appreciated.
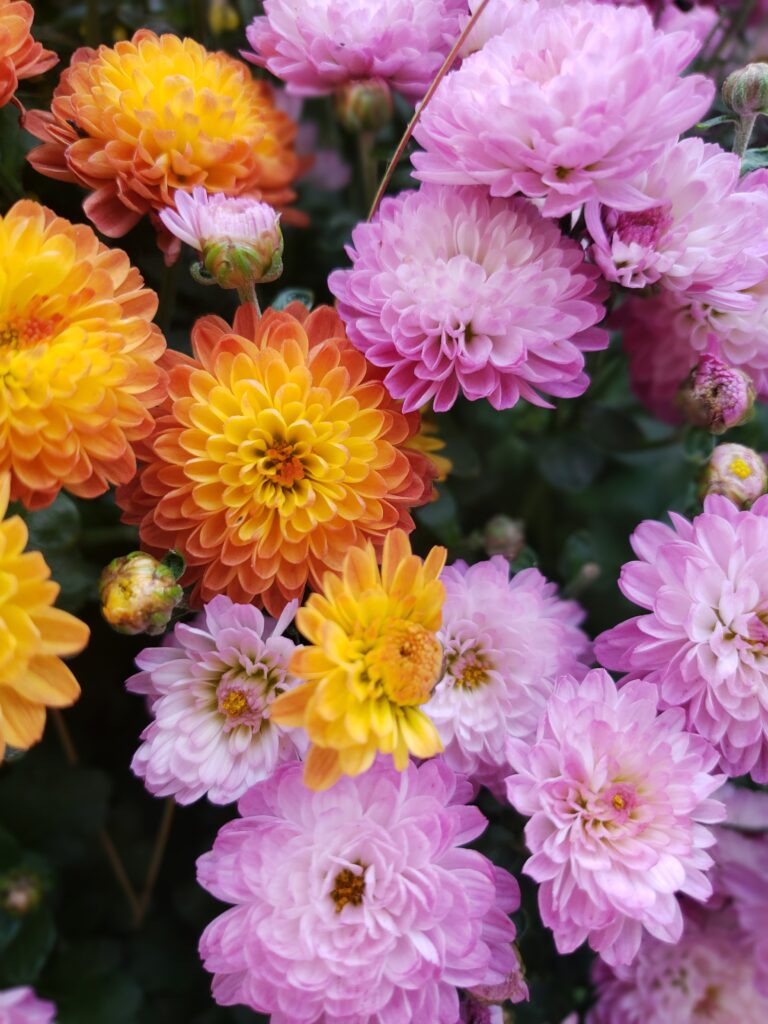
point(153, 115)
point(20, 56)
point(77, 358)
point(275, 453)
point(33, 636)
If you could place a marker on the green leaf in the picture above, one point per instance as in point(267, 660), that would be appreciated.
point(24, 957)
point(611, 429)
point(441, 517)
point(753, 159)
point(55, 528)
point(714, 121)
point(568, 463)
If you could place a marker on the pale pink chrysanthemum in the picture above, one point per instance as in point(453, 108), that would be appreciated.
point(569, 104)
point(708, 977)
point(703, 637)
point(22, 1006)
point(505, 641)
point(701, 233)
point(210, 688)
point(453, 291)
point(201, 219)
point(357, 904)
point(317, 45)
point(616, 793)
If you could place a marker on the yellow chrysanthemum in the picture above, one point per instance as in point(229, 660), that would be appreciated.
point(155, 114)
point(78, 353)
point(374, 659)
point(33, 635)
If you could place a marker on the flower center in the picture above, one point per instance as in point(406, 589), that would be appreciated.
point(469, 670)
point(281, 465)
point(240, 703)
point(20, 332)
point(349, 887)
point(234, 704)
point(740, 468)
point(407, 659)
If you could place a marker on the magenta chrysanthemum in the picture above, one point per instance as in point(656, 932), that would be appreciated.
point(616, 793)
point(357, 904)
point(21, 1006)
point(568, 104)
point(211, 688)
point(702, 232)
point(704, 638)
point(505, 643)
point(452, 291)
point(318, 45)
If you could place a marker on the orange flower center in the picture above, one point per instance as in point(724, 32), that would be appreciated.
point(349, 888)
point(407, 659)
point(280, 464)
point(25, 330)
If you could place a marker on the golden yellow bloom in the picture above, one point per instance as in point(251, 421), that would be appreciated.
point(33, 635)
point(374, 659)
point(155, 114)
point(77, 358)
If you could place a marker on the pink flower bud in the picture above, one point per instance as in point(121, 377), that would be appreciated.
point(716, 396)
point(737, 472)
point(139, 594)
point(365, 105)
point(746, 91)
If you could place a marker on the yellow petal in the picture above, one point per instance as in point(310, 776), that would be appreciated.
point(22, 720)
point(419, 733)
point(397, 548)
point(5, 493)
point(60, 632)
point(356, 760)
point(49, 681)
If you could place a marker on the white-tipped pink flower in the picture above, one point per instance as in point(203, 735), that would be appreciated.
point(617, 794)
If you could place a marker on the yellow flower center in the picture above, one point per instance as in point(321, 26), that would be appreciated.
point(349, 888)
point(406, 659)
point(619, 802)
point(740, 468)
point(234, 704)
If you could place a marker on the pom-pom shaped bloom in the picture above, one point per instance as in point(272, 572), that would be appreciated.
point(22, 1006)
point(701, 232)
point(616, 793)
point(20, 56)
point(505, 643)
point(77, 358)
point(157, 114)
point(357, 905)
point(546, 108)
point(211, 687)
point(33, 636)
point(374, 660)
point(319, 45)
point(453, 291)
point(708, 977)
point(275, 452)
point(703, 638)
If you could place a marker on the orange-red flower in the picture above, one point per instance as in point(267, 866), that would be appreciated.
point(277, 450)
point(78, 355)
point(152, 115)
point(20, 56)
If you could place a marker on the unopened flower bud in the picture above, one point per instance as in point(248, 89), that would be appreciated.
point(222, 17)
point(716, 396)
point(746, 91)
point(737, 472)
point(20, 892)
point(139, 594)
point(504, 536)
point(364, 105)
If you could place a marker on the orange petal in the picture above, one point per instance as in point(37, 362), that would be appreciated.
point(322, 768)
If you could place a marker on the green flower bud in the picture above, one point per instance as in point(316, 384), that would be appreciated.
point(746, 91)
point(364, 105)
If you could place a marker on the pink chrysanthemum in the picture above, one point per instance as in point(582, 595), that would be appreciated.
point(452, 290)
point(318, 45)
point(210, 689)
point(505, 643)
point(708, 977)
point(201, 219)
point(568, 104)
point(21, 1006)
point(357, 904)
point(704, 638)
point(701, 233)
point(616, 793)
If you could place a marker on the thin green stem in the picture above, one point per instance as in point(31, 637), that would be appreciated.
point(247, 294)
point(156, 861)
point(743, 133)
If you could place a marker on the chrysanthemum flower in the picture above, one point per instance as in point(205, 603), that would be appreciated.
point(569, 105)
point(374, 660)
point(617, 794)
point(33, 636)
point(453, 291)
point(152, 115)
point(211, 689)
point(319, 45)
point(22, 1006)
point(703, 637)
point(505, 643)
point(77, 358)
point(20, 56)
point(358, 905)
point(708, 977)
point(276, 451)
point(702, 232)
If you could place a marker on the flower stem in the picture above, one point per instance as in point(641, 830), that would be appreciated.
point(743, 133)
point(444, 69)
point(247, 295)
point(93, 23)
point(368, 166)
point(105, 840)
point(161, 844)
